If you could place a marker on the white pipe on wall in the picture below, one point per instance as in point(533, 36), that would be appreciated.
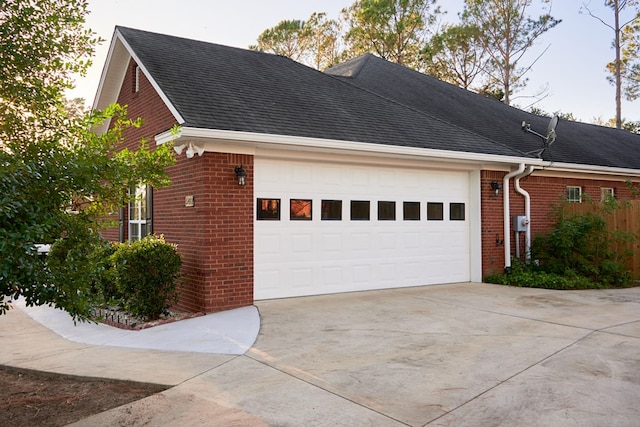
point(527, 210)
point(506, 212)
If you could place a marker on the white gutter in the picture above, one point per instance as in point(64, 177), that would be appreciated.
point(296, 142)
point(506, 211)
point(527, 210)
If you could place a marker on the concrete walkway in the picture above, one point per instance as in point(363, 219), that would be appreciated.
point(451, 355)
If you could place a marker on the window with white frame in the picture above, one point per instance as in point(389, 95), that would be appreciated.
point(574, 194)
point(140, 212)
point(607, 193)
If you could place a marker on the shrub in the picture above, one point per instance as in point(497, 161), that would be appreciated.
point(531, 276)
point(583, 245)
point(146, 274)
point(72, 261)
point(579, 253)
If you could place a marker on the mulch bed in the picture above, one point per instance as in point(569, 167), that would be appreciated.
point(121, 319)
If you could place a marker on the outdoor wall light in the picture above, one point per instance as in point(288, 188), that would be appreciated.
point(192, 149)
point(495, 186)
point(241, 174)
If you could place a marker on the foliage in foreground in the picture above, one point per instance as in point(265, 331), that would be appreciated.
point(579, 253)
point(146, 274)
point(140, 277)
point(57, 176)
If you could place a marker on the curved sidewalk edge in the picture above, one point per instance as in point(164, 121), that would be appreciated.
point(227, 332)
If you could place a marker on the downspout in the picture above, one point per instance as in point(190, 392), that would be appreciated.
point(527, 210)
point(506, 211)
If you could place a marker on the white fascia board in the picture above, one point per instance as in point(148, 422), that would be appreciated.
point(589, 170)
point(155, 85)
point(292, 142)
point(113, 74)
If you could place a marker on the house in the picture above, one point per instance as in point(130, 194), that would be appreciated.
point(294, 182)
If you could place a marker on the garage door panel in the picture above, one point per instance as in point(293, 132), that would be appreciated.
point(309, 257)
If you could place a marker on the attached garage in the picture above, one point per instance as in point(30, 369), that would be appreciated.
point(325, 227)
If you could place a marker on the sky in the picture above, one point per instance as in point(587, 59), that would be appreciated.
point(572, 69)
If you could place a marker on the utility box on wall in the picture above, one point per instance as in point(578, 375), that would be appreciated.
point(520, 223)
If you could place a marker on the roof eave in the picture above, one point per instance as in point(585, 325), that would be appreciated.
point(245, 140)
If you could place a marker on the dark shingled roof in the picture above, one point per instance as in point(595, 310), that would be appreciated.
point(219, 87)
point(577, 143)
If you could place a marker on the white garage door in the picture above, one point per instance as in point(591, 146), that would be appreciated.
point(327, 228)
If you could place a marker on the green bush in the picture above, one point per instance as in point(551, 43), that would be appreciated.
point(531, 276)
point(146, 274)
point(582, 245)
point(73, 261)
point(579, 253)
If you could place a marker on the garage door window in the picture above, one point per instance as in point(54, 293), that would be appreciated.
point(332, 210)
point(435, 211)
point(386, 211)
point(360, 210)
point(411, 211)
point(268, 209)
point(456, 211)
point(300, 209)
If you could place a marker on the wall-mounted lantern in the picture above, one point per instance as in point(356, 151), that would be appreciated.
point(495, 186)
point(241, 174)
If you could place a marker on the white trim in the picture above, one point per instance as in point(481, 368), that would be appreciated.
point(589, 169)
point(155, 85)
point(113, 75)
point(306, 143)
point(475, 227)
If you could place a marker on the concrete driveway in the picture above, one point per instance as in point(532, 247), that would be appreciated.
point(451, 355)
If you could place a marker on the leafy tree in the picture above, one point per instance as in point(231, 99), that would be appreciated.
point(455, 56)
point(507, 33)
point(56, 176)
point(392, 29)
point(289, 38)
point(324, 47)
point(625, 68)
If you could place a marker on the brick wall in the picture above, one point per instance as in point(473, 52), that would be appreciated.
point(545, 191)
point(215, 236)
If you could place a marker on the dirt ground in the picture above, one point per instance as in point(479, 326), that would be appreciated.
point(32, 398)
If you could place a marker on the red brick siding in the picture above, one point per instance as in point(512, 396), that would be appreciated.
point(545, 192)
point(215, 236)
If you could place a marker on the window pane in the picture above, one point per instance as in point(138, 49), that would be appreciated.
point(360, 210)
point(300, 209)
point(456, 211)
point(134, 232)
point(435, 211)
point(268, 209)
point(386, 211)
point(411, 211)
point(574, 194)
point(607, 193)
point(331, 210)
